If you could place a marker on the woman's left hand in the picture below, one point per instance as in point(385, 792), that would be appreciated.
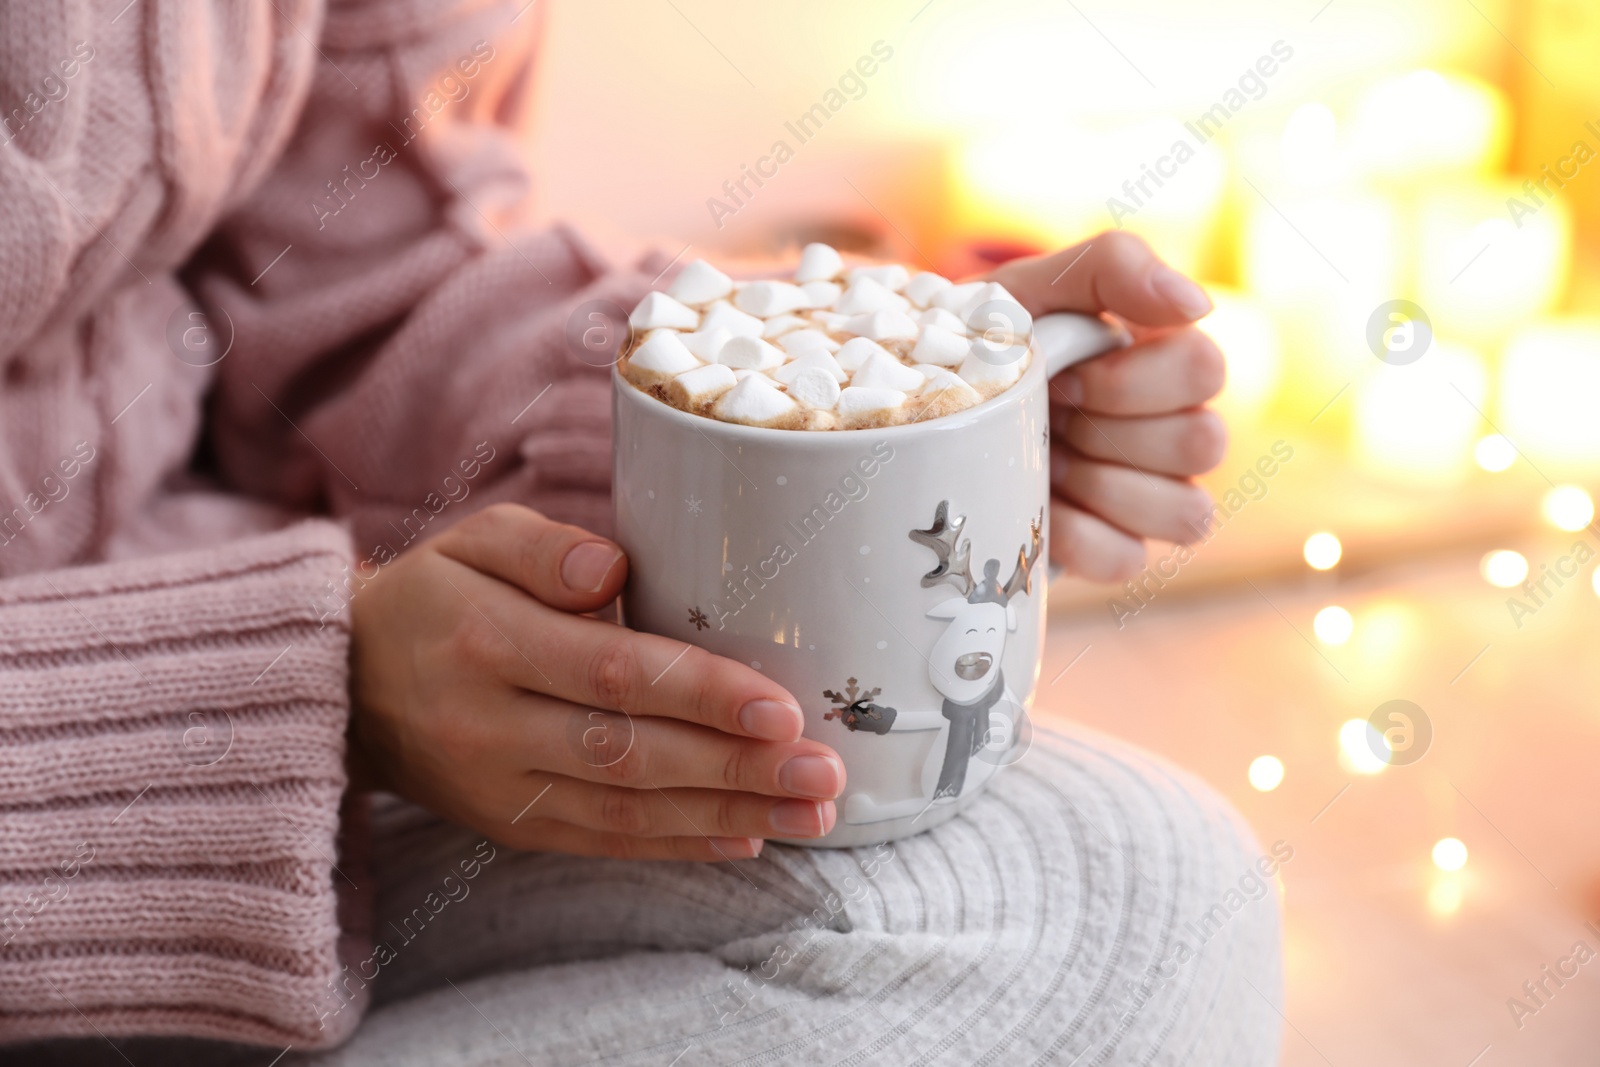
point(1128, 430)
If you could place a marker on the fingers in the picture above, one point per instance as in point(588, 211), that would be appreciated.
point(643, 752)
point(679, 812)
point(606, 666)
point(1114, 272)
point(563, 566)
point(1092, 548)
point(595, 663)
point(1172, 372)
point(1136, 502)
point(1182, 445)
point(580, 841)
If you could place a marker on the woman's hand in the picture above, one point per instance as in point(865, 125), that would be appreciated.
point(481, 693)
point(1128, 432)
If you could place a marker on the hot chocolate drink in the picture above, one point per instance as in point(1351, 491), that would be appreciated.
point(833, 348)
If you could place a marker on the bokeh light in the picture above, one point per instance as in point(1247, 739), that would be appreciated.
point(1449, 854)
point(1495, 453)
point(1567, 507)
point(1444, 896)
point(1266, 773)
point(1323, 551)
point(1359, 745)
point(1504, 568)
point(1333, 625)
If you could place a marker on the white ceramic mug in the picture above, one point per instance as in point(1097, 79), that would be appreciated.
point(892, 579)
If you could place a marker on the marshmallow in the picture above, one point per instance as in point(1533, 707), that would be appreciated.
point(977, 370)
point(659, 309)
point(999, 349)
point(944, 394)
point(999, 318)
point(706, 343)
point(754, 401)
point(750, 353)
point(818, 263)
point(862, 405)
point(823, 294)
point(883, 326)
point(945, 385)
point(856, 351)
point(663, 354)
point(767, 299)
point(724, 316)
point(815, 387)
point(940, 346)
point(891, 276)
point(700, 283)
point(782, 325)
point(924, 287)
point(815, 359)
point(695, 388)
point(871, 346)
point(985, 292)
point(867, 295)
point(953, 298)
point(883, 371)
point(945, 320)
point(799, 342)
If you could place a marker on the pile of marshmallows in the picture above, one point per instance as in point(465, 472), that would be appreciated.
point(834, 349)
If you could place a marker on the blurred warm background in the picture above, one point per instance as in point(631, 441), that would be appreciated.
point(1357, 152)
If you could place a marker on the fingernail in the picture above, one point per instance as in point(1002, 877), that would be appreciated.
point(772, 720)
point(586, 566)
point(1180, 292)
point(813, 776)
point(1070, 382)
point(737, 848)
point(797, 818)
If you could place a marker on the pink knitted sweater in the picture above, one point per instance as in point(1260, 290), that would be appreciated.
point(259, 261)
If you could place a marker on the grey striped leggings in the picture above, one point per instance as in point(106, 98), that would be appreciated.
point(1095, 906)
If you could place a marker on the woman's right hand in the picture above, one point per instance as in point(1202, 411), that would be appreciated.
point(482, 693)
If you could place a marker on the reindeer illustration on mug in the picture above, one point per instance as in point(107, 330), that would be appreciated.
point(979, 711)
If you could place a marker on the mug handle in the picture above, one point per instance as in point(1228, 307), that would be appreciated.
point(1064, 338)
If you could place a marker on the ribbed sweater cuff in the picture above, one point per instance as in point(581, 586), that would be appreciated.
point(171, 775)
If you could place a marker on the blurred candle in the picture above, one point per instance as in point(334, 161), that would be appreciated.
point(1549, 380)
point(1308, 147)
point(1244, 330)
point(1323, 263)
point(1424, 125)
point(1077, 182)
point(1479, 274)
point(1417, 423)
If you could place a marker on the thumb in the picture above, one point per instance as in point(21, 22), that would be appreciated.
point(1115, 272)
point(563, 566)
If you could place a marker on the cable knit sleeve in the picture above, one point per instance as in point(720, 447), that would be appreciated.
point(171, 768)
point(392, 316)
